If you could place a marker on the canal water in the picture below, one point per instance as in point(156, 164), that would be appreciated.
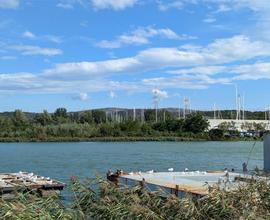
point(85, 159)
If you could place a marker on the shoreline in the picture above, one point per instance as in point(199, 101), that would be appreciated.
point(120, 139)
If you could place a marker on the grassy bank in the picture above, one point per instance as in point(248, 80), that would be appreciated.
point(122, 139)
point(98, 199)
point(101, 139)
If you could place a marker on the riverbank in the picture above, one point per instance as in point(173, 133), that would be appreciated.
point(102, 139)
point(123, 139)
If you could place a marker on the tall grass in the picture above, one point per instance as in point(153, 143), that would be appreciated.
point(28, 206)
point(99, 199)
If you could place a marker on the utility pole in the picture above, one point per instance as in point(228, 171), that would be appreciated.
point(215, 111)
point(186, 106)
point(164, 115)
point(142, 115)
point(243, 108)
point(239, 107)
point(156, 101)
point(237, 104)
point(134, 114)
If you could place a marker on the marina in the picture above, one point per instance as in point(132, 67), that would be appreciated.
point(197, 183)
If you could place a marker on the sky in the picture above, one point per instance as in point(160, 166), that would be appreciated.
point(84, 54)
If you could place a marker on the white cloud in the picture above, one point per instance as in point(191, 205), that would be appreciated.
point(252, 71)
point(182, 82)
point(97, 4)
point(209, 20)
point(65, 5)
point(9, 4)
point(81, 96)
point(141, 36)
point(260, 9)
point(89, 69)
point(28, 34)
point(36, 50)
point(112, 94)
point(177, 4)
point(218, 52)
point(218, 6)
point(159, 94)
point(205, 70)
point(255, 71)
point(70, 4)
point(113, 4)
point(184, 67)
point(52, 38)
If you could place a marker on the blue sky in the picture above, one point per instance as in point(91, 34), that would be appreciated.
point(83, 54)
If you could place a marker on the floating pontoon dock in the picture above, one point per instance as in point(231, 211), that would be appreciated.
point(196, 183)
point(11, 182)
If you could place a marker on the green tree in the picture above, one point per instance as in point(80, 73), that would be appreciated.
point(99, 116)
point(159, 126)
point(106, 130)
point(130, 127)
point(60, 112)
point(175, 125)
point(6, 124)
point(19, 118)
point(216, 134)
point(44, 118)
point(60, 116)
point(150, 115)
point(86, 117)
point(195, 123)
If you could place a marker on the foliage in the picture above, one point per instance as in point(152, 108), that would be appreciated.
point(86, 117)
point(19, 118)
point(43, 118)
point(97, 124)
point(216, 134)
point(248, 201)
point(195, 123)
point(99, 199)
point(99, 116)
point(62, 125)
point(30, 206)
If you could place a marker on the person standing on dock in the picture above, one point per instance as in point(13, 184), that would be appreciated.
point(245, 168)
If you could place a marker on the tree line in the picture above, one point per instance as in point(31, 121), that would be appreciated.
point(64, 125)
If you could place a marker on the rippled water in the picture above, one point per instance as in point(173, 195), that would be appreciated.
point(62, 160)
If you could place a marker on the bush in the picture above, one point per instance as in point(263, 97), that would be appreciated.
point(216, 134)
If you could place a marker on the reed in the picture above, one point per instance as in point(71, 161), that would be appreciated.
point(99, 199)
point(247, 201)
point(28, 206)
